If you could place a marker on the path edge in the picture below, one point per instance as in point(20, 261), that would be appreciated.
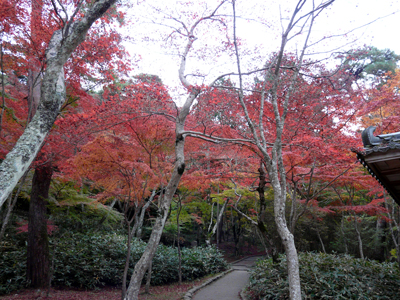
point(189, 294)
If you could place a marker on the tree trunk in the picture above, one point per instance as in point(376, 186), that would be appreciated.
point(393, 231)
point(127, 259)
point(346, 249)
point(165, 201)
point(11, 207)
point(261, 216)
point(381, 238)
point(178, 233)
point(321, 241)
point(38, 272)
point(142, 265)
point(136, 231)
point(287, 240)
point(3, 97)
point(217, 226)
point(139, 224)
point(360, 243)
point(148, 279)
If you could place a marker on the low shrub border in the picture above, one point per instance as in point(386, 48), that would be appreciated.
point(90, 261)
point(326, 276)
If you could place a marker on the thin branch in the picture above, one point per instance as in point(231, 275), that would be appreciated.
point(215, 139)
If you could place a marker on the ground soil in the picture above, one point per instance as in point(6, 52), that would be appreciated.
point(167, 292)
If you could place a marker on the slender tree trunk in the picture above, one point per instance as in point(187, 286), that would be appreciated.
point(293, 209)
point(217, 224)
point(287, 241)
point(321, 241)
point(395, 239)
point(142, 265)
point(142, 213)
point(260, 224)
point(360, 243)
point(3, 100)
point(38, 259)
point(127, 260)
point(346, 249)
point(220, 213)
point(381, 225)
point(211, 221)
point(11, 207)
point(178, 233)
point(261, 215)
point(236, 236)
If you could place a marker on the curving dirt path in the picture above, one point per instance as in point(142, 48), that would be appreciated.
point(229, 286)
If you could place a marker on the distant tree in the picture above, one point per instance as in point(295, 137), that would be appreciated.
point(370, 63)
point(383, 106)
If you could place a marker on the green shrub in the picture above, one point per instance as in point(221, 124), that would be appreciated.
point(327, 276)
point(90, 261)
point(12, 270)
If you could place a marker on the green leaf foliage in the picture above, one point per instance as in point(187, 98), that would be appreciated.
point(93, 260)
point(326, 276)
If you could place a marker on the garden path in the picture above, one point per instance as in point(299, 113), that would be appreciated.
point(229, 286)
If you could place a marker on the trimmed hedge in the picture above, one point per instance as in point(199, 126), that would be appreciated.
point(90, 261)
point(327, 276)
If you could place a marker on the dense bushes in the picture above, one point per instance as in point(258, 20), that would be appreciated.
point(325, 276)
point(88, 261)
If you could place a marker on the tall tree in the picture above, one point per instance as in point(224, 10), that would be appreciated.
point(188, 33)
point(370, 63)
point(53, 93)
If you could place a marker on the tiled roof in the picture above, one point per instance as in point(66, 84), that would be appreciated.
point(381, 157)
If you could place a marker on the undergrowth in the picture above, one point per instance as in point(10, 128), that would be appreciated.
point(327, 276)
point(90, 261)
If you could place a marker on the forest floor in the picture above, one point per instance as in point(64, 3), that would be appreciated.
point(165, 292)
point(172, 291)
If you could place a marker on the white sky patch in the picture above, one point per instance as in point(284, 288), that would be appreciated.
point(259, 27)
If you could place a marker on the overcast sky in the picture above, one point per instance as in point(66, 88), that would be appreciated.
point(344, 16)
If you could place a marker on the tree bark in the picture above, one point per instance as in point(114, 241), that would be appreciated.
point(148, 279)
point(178, 236)
point(11, 207)
point(396, 228)
point(139, 223)
point(128, 255)
point(3, 99)
point(321, 241)
point(381, 238)
point(38, 257)
point(346, 249)
point(216, 225)
point(53, 94)
point(360, 243)
point(285, 234)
